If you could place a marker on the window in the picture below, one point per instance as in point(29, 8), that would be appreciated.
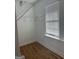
point(52, 20)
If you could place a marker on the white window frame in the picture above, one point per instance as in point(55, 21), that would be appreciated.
point(48, 34)
point(61, 25)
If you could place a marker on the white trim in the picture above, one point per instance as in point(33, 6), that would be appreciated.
point(26, 42)
point(51, 4)
point(52, 36)
point(54, 49)
point(57, 38)
point(20, 57)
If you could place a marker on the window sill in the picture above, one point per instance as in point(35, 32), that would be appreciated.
point(47, 35)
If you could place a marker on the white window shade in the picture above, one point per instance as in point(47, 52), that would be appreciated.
point(52, 28)
point(52, 20)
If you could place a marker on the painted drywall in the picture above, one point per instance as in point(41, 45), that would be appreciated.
point(21, 8)
point(54, 45)
point(61, 19)
point(26, 28)
point(25, 24)
point(31, 27)
point(17, 49)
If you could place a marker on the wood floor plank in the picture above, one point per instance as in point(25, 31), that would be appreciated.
point(37, 51)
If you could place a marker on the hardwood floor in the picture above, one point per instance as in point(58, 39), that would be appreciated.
point(37, 51)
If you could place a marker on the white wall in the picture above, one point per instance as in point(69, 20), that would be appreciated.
point(21, 9)
point(25, 24)
point(52, 44)
point(33, 29)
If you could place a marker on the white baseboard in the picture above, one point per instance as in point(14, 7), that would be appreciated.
point(19, 57)
point(25, 43)
point(55, 50)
